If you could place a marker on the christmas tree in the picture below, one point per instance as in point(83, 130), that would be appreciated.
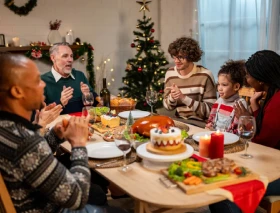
point(147, 69)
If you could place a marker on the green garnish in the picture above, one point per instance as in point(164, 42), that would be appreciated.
point(140, 138)
point(184, 134)
point(99, 111)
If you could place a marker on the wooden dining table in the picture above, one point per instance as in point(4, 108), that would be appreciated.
point(144, 187)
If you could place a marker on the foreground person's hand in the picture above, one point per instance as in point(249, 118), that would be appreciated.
point(77, 131)
point(66, 95)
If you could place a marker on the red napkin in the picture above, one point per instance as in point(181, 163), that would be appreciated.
point(246, 195)
point(79, 114)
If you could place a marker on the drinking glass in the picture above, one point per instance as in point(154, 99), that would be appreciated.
point(88, 99)
point(151, 98)
point(124, 140)
point(246, 129)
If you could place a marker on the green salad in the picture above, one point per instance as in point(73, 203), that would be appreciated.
point(99, 110)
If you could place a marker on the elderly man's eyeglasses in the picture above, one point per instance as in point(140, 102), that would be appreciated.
point(179, 57)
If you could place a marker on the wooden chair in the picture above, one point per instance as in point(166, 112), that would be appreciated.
point(271, 204)
point(6, 204)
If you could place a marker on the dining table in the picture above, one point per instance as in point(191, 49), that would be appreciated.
point(144, 186)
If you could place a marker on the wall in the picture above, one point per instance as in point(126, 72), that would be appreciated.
point(107, 24)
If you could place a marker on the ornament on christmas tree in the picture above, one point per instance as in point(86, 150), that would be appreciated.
point(152, 41)
point(144, 66)
point(164, 62)
point(161, 91)
point(137, 38)
point(132, 45)
point(140, 59)
point(144, 5)
point(137, 26)
point(159, 51)
point(157, 63)
point(152, 30)
point(148, 39)
point(145, 103)
point(138, 48)
point(155, 46)
point(144, 34)
point(139, 69)
point(128, 67)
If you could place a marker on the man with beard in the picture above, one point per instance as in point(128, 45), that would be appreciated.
point(189, 88)
point(65, 85)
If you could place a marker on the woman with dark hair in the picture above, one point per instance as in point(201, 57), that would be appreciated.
point(263, 74)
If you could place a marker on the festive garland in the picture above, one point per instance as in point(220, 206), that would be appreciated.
point(23, 10)
point(37, 53)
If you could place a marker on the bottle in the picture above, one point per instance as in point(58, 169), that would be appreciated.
point(105, 94)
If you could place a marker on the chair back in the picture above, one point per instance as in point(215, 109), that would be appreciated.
point(6, 204)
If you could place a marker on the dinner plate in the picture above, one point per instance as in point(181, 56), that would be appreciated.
point(143, 153)
point(135, 114)
point(103, 150)
point(229, 138)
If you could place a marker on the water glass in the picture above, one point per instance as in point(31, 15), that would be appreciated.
point(151, 98)
point(246, 129)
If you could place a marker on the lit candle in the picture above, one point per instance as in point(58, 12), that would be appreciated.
point(204, 142)
point(216, 147)
point(16, 41)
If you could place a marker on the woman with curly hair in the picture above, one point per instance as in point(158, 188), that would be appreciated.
point(189, 88)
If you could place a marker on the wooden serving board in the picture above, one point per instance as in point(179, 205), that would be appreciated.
point(150, 148)
point(193, 189)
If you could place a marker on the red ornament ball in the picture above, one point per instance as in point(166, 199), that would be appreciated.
point(152, 41)
point(145, 104)
point(152, 30)
point(132, 45)
point(161, 91)
point(139, 69)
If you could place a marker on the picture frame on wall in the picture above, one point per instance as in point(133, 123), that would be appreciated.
point(2, 40)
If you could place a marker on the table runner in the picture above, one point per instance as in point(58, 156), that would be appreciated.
point(246, 195)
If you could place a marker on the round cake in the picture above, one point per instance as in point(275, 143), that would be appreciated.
point(166, 139)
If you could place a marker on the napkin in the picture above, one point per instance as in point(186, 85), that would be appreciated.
point(246, 195)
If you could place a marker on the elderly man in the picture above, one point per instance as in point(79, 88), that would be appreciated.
point(36, 181)
point(65, 85)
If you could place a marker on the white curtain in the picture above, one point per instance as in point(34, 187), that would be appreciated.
point(235, 29)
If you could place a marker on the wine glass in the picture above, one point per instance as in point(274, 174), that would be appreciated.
point(246, 129)
point(151, 98)
point(88, 100)
point(123, 140)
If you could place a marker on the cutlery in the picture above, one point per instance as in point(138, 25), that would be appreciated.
point(108, 162)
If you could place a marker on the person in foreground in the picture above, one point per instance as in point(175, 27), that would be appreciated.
point(189, 88)
point(263, 74)
point(36, 181)
point(65, 85)
point(230, 80)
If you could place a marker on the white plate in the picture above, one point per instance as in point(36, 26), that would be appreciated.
point(103, 150)
point(143, 153)
point(135, 114)
point(229, 137)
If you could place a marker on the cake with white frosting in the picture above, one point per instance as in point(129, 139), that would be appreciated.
point(166, 139)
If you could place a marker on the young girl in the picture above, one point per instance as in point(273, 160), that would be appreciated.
point(230, 79)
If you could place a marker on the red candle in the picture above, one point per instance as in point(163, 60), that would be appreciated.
point(204, 142)
point(216, 147)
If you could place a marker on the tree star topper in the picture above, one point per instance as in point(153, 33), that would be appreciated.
point(144, 5)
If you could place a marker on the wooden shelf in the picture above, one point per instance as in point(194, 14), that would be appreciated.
point(24, 49)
